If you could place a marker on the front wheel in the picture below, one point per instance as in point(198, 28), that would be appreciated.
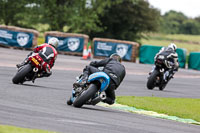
point(152, 79)
point(20, 75)
point(85, 96)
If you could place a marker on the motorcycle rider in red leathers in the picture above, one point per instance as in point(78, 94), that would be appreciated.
point(47, 52)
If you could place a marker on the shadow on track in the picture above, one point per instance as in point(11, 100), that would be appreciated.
point(41, 87)
point(98, 109)
point(157, 90)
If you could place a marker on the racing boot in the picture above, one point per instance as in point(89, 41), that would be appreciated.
point(82, 82)
point(23, 63)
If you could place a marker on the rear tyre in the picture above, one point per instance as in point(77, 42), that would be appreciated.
point(85, 96)
point(20, 75)
point(152, 79)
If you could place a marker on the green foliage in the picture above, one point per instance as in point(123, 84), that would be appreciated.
point(40, 40)
point(190, 26)
point(181, 107)
point(127, 20)
point(119, 19)
point(177, 23)
point(10, 10)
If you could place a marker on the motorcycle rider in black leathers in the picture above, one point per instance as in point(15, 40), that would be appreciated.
point(111, 66)
point(172, 57)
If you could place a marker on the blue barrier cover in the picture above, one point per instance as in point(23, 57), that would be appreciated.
point(69, 44)
point(102, 48)
point(17, 39)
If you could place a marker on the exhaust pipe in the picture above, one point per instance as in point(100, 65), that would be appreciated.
point(98, 99)
point(35, 69)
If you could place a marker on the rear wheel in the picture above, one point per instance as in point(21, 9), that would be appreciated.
point(85, 96)
point(20, 75)
point(152, 79)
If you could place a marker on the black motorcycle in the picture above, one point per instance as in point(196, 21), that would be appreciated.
point(161, 73)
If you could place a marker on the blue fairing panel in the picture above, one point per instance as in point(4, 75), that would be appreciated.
point(102, 77)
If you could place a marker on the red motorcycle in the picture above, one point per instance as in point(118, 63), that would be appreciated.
point(31, 70)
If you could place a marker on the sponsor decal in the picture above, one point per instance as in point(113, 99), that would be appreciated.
point(121, 50)
point(22, 39)
point(5, 34)
point(73, 43)
point(103, 46)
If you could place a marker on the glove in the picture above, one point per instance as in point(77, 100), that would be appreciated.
point(92, 63)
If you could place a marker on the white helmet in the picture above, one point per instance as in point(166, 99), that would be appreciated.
point(53, 41)
point(172, 46)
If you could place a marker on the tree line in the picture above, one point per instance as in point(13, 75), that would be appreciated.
point(118, 19)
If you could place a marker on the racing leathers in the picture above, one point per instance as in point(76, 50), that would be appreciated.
point(114, 69)
point(48, 53)
point(172, 58)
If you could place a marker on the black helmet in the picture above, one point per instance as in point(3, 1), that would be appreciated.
point(116, 56)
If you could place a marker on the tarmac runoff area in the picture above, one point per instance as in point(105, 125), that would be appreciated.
point(149, 113)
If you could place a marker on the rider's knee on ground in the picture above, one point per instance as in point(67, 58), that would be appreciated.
point(109, 101)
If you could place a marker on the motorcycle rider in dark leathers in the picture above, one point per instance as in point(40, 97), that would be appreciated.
point(47, 52)
point(172, 57)
point(113, 68)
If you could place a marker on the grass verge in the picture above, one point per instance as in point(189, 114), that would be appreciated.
point(189, 47)
point(12, 129)
point(181, 107)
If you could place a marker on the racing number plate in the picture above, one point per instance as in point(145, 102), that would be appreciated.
point(35, 61)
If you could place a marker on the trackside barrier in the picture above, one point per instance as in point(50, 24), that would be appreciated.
point(194, 61)
point(12, 36)
point(69, 43)
point(105, 47)
point(148, 52)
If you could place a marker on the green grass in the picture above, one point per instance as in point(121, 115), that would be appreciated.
point(12, 129)
point(177, 37)
point(190, 42)
point(181, 107)
point(189, 47)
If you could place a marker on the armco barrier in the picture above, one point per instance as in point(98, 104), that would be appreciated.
point(148, 52)
point(105, 47)
point(12, 36)
point(194, 61)
point(69, 43)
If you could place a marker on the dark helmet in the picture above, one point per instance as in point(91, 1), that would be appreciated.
point(116, 56)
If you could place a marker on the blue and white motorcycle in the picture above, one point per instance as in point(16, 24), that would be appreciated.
point(92, 92)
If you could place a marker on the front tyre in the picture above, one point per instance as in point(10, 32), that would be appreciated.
point(152, 79)
point(20, 75)
point(85, 96)
point(162, 87)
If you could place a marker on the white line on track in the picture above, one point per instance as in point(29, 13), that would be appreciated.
point(79, 122)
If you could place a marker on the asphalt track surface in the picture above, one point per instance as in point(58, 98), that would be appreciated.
point(42, 105)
